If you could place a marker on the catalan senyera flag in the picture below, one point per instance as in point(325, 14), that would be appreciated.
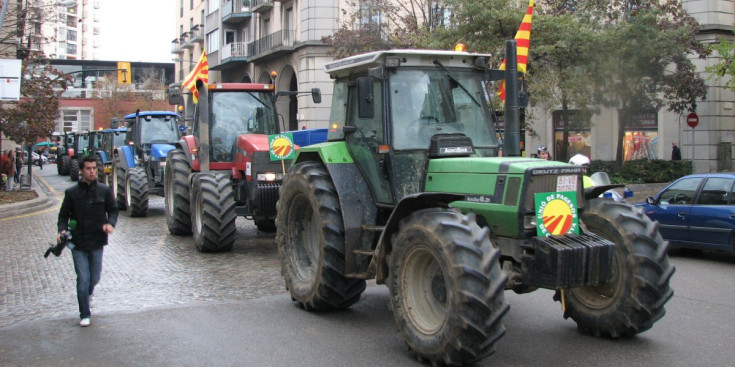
point(523, 41)
point(200, 72)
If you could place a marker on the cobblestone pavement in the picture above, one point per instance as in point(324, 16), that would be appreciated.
point(144, 266)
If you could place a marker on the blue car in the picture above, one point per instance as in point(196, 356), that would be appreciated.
point(697, 212)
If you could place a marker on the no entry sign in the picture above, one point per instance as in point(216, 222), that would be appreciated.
point(692, 120)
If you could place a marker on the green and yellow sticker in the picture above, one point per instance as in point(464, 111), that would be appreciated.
point(556, 213)
point(281, 146)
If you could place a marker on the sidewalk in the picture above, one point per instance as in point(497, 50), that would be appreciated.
point(44, 200)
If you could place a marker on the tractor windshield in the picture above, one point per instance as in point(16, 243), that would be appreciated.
point(159, 129)
point(236, 113)
point(426, 102)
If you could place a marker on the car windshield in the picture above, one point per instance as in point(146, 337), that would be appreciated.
point(159, 129)
point(429, 102)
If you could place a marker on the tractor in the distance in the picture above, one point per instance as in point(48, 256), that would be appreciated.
point(223, 169)
point(64, 152)
point(109, 141)
point(79, 144)
point(138, 165)
point(409, 190)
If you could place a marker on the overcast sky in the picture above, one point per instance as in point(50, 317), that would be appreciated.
point(137, 30)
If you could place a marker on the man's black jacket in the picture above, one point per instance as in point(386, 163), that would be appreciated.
point(91, 206)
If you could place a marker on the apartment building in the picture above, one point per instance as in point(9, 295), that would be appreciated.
point(246, 40)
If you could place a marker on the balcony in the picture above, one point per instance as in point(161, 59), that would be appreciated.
point(272, 45)
point(235, 11)
point(176, 47)
point(231, 55)
point(196, 34)
point(187, 44)
point(261, 6)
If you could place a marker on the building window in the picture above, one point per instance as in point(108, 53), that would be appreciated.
point(213, 41)
point(181, 8)
point(71, 49)
point(641, 136)
point(202, 18)
point(213, 6)
point(71, 21)
point(191, 4)
point(578, 134)
point(71, 35)
point(75, 120)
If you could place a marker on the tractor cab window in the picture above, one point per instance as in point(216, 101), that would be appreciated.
point(238, 113)
point(425, 102)
point(158, 129)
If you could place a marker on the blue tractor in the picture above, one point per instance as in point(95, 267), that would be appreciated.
point(108, 141)
point(138, 165)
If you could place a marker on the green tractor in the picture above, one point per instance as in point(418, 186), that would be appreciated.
point(410, 190)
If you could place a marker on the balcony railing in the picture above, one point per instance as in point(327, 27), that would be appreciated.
point(261, 5)
point(272, 41)
point(234, 50)
point(176, 47)
point(235, 11)
point(196, 34)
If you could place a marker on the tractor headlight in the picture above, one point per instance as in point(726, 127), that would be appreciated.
point(269, 176)
point(529, 221)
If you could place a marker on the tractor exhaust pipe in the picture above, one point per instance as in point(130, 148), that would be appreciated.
point(512, 141)
point(203, 114)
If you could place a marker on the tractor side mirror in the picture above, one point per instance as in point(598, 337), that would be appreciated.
point(174, 96)
point(316, 95)
point(365, 98)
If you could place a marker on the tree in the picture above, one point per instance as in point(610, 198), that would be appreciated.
point(725, 68)
point(121, 99)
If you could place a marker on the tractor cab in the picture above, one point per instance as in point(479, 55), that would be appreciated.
point(406, 106)
point(238, 113)
point(155, 127)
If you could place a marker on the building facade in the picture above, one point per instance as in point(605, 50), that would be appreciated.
point(246, 40)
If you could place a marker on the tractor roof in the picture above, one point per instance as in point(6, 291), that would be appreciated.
point(403, 57)
point(152, 113)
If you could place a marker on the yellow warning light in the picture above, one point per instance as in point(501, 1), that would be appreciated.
point(274, 74)
point(181, 108)
point(460, 47)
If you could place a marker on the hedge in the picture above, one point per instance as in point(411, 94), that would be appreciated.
point(643, 171)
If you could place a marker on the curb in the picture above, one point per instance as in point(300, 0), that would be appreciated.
point(43, 201)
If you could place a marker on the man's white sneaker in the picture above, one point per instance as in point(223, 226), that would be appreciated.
point(85, 322)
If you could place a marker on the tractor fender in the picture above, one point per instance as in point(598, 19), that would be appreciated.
point(127, 157)
point(103, 156)
point(405, 207)
point(159, 151)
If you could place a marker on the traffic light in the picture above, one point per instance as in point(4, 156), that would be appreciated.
point(124, 76)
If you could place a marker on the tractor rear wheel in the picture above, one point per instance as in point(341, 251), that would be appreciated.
point(176, 193)
point(118, 184)
point(74, 169)
point(310, 240)
point(212, 212)
point(634, 299)
point(446, 287)
point(266, 225)
point(62, 165)
point(136, 192)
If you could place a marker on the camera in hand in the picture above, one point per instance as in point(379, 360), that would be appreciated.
point(56, 250)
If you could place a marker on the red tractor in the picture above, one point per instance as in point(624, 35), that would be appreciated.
point(223, 168)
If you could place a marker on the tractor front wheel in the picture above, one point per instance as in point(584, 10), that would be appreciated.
point(446, 287)
point(176, 193)
point(65, 165)
point(136, 192)
point(212, 212)
point(74, 169)
point(311, 241)
point(634, 299)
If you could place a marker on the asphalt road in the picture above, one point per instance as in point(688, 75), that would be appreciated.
point(271, 330)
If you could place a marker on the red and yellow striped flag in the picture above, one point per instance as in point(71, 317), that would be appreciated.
point(200, 72)
point(523, 41)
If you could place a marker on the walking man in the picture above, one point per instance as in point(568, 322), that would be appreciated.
point(92, 206)
point(675, 152)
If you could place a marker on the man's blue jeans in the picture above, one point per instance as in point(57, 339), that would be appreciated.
point(88, 266)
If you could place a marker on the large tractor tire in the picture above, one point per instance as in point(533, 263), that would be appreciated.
point(101, 177)
point(634, 299)
point(446, 287)
point(118, 183)
point(266, 225)
point(212, 212)
point(136, 192)
point(311, 243)
point(65, 164)
point(176, 193)
point(74, 169)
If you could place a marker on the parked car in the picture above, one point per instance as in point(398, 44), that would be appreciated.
point(34, 159)
point(697, 212)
